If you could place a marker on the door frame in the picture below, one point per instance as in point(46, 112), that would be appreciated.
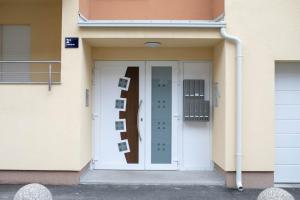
point(179, 156)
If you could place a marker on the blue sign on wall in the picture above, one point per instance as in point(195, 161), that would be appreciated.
point(71, 42)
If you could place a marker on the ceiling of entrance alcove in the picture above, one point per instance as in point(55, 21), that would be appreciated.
point(141, 42)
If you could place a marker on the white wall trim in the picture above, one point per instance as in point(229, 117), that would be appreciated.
point(82, 17)
point(84, 22)
point(220, 17)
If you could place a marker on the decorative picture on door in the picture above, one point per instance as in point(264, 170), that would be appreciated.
point(124, 83)
point(121, 104)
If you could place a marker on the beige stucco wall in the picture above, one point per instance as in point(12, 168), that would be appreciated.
point(43, 130)
point(86, 145)
point(269, 31)
point(219, 120)
point(34, 122)
point(152, 54)
point(76, 78)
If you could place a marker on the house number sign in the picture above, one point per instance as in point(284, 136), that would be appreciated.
point(71, 42)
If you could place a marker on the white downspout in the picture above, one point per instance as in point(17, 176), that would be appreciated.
point(239, 105)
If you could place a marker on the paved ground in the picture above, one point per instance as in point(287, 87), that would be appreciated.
point(119, 177)
point(110, 192)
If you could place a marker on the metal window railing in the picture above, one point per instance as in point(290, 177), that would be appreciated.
point(30, 72)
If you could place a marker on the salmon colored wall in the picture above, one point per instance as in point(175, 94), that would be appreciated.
point(84, 6)
point(217, 8)
point(149, 9)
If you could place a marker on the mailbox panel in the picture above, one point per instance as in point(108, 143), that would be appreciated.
point(195, 108)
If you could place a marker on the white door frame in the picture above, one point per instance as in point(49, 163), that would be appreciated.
point(175, 117)
point(177, 78)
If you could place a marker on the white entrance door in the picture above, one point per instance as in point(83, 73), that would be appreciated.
point(287, 166)
point(196, 136)
point(135, 119)
point(119, 112)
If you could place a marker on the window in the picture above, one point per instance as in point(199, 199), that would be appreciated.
point(15, 46)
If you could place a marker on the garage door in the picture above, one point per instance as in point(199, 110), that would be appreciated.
point(287, 164)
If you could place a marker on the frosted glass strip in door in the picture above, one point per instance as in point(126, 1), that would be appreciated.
point(161, 115)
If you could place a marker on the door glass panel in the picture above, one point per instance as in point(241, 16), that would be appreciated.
point(161, 120)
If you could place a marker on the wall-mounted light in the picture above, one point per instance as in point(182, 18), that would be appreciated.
point(152, 44)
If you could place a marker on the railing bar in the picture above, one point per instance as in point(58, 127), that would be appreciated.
point(29, 72)
point(26, 61)
point(1, 70)
point(16, 77)
point(50, 78)
point(30, 83)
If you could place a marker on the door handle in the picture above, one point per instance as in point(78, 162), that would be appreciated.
point(138, 120)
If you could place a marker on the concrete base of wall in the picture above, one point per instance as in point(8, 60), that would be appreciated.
point(257, 180)
point(251, 180)
point(42, 177)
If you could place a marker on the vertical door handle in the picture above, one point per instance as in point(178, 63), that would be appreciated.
point(138, 120)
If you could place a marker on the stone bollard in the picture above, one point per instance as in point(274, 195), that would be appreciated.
point(33, 192)
point(275, 194)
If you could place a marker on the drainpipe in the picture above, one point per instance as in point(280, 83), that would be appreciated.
point(239, 99)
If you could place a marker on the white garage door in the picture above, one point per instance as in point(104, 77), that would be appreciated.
point(287, 168)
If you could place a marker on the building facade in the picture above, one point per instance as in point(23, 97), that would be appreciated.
point(150, 85)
